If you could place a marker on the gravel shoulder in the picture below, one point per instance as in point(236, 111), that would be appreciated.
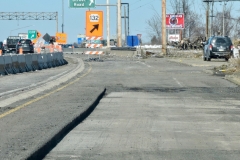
point(213, 67)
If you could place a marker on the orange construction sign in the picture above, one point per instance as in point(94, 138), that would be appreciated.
point(61, 38)
point(37, 37)
point(94, 23)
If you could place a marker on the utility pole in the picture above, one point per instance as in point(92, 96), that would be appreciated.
point(164, 41)
point(212, 20)
point(223, 32)
point(125, 24)
point(207, 20)
point(119, 36)
point(108, 25)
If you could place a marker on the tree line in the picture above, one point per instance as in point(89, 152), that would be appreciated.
point(195, 23)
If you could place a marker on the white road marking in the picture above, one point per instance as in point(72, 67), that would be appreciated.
point(144, 64)
point(178, 82)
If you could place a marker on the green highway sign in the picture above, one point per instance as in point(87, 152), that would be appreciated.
point(81, 3)
point(32, 34)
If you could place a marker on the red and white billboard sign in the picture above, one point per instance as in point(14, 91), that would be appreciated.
point(175, 21)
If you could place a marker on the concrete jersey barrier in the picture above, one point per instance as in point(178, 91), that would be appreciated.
point(22, 62)
point(2, 69)
point(8, 64)
point(28, 59)
point(15, 64)
point(12, 64)
point(50, 62)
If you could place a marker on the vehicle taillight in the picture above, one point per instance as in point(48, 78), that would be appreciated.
point(210, 47)
point(231, 47)
point(31, 43)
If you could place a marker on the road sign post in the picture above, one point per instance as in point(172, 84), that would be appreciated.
point(81, 4)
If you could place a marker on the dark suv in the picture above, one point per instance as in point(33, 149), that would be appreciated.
point(26, 45)
point(218, 47)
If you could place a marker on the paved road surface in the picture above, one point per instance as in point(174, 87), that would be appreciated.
point(156, 109)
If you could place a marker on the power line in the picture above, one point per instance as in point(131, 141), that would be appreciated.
point(143, 5)
point(136, 2)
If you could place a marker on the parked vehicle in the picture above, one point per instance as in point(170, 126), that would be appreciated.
point(26, 45)
point(218, 47)
point(11, 43)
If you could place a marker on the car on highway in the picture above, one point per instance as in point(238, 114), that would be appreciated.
point(218, 47)
point(26, 45)
point(11, 44)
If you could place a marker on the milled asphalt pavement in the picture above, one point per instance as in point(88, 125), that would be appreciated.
point(184, 122)
point(155, 124)
point(36, 117)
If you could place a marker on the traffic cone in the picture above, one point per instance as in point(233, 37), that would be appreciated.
point(38, 50)
point(20, 50)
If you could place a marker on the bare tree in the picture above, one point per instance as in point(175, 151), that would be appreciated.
point(154, 26)
point(228, 22)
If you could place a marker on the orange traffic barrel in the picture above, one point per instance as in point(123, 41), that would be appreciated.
point(20, 50)
point(38, 50)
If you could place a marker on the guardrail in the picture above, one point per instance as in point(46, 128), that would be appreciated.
point(19, 63)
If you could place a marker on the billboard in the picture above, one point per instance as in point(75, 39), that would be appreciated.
point(175, 21)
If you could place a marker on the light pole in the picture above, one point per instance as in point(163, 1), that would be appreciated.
point(164, 38)
point(108, 25)
point(19, 28)
point(62, 16)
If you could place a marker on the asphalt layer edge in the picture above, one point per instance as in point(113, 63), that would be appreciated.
point(53, 141)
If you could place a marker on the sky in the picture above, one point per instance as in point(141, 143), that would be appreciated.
point(74, 19)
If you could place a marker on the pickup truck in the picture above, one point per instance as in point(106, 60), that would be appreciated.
point(11, 43)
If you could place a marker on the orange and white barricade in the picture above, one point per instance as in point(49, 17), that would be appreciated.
point(94, 38)
point(89, 44)
point(94, 52)
point(93, 45)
